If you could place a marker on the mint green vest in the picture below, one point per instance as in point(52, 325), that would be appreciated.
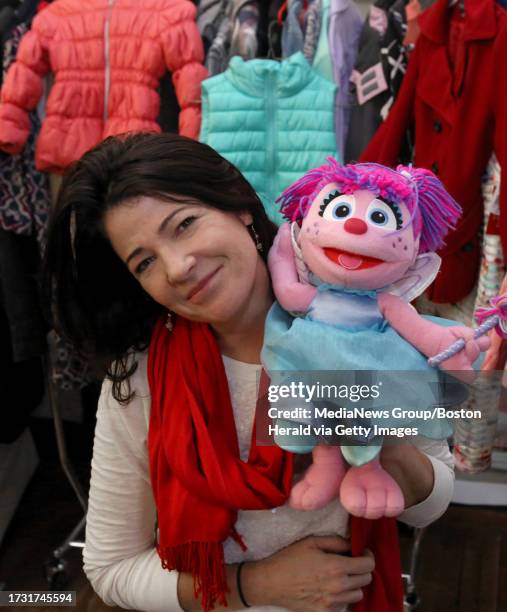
point(272, 120)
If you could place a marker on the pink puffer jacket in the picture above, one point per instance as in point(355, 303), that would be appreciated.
point(107, 57)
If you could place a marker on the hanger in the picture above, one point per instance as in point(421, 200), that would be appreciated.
point(281, 13)
point(283, 9)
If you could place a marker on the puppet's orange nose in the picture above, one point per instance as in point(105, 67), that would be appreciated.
point(355, 226)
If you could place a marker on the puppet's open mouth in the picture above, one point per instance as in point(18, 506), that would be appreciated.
point(351, 261)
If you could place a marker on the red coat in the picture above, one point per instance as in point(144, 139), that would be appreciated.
point(460, 113)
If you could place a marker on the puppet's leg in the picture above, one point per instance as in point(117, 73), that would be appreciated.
point(369, 491)
point(321, 482)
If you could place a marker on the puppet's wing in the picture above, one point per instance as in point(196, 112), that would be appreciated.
point(303, 271)
point(417, 278)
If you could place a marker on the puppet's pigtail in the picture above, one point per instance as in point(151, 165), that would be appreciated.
point(438, 210)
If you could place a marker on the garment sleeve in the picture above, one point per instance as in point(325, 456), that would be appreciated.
point(23, 86)
point(385, 146)
point(184, 56)
point(430, 509)
point(120, 559)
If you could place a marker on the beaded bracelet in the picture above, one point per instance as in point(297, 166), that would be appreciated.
point(238, 585)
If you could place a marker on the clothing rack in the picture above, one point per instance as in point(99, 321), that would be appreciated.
point(55, 567)
point(411, 599)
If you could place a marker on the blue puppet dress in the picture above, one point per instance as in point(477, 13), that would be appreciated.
point(344, 332)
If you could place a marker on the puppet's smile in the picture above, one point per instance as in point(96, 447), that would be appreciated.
point(351, 261)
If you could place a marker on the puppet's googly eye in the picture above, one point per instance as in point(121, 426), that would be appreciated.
point(380, 214)
point(338, 208)
point(341, 211)
point(379, 217)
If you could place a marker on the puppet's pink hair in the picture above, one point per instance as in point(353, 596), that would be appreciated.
point(433, 211)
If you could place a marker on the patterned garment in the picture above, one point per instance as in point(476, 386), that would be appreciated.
point(393, 53)
point(236, 35)
point(24, 191)
point(69, 370)
point(210, 14)
point(244, 33)
point(301, 37)
point(24, 207)
point(379, 70)
point(218, 54)
point(492, 270)
point(313, 22)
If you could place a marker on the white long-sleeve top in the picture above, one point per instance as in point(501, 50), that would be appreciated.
point(120, 559)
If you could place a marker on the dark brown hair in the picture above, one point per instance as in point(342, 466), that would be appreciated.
point(96, 302)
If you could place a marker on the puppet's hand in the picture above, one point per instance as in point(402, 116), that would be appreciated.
point(292, 294)
point(281, 251)
point(465, 358)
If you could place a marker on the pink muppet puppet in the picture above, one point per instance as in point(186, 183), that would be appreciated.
point(361, 245)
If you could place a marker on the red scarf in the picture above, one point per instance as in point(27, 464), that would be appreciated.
point(199, 482)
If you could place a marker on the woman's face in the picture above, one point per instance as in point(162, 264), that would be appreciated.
point(197, 261)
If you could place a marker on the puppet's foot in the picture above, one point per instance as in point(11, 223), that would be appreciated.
point(321, 482)
point(369, 491)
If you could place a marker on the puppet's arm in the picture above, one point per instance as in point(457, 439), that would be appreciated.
point(293, 295)
point(430, 338)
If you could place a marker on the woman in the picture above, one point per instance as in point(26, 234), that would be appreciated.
point(148, 225)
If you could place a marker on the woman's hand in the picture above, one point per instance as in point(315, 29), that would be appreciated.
point(312, 574)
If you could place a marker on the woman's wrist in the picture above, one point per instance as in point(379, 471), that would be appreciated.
point(411, 469)
point(250, 589)
point(249, 585)
point(241, 595)
point(254, 584)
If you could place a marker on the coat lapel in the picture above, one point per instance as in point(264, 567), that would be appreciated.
point(435, 82)
point(439, 85)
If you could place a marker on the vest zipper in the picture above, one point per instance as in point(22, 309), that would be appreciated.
point(107, 67)
point(271, 134)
